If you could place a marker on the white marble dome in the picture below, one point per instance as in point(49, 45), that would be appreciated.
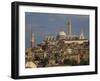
point(62, 33)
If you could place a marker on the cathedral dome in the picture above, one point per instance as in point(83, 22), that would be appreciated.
point(62, 33)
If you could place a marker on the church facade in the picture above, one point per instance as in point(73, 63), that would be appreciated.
point(67, 36)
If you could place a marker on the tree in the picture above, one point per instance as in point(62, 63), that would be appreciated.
point(73, 62)
point(70, 62)
point(67, 62)
point(84, 62)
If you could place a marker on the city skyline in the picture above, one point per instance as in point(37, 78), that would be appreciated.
point(44, 24)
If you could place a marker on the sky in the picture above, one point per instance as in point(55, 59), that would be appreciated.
point(49, 24)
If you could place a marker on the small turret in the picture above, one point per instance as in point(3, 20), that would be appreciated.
point(81, 36)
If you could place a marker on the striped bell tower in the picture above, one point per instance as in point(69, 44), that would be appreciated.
point(69, 28)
